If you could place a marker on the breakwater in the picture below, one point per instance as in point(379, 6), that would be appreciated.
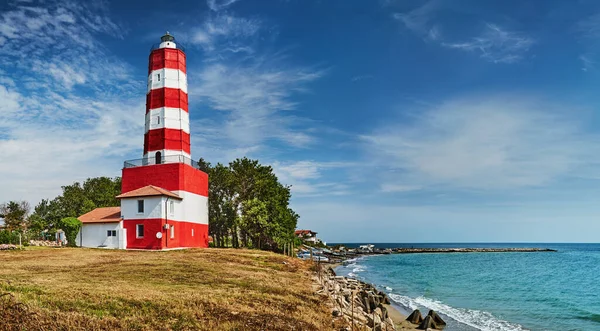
point(466, 250)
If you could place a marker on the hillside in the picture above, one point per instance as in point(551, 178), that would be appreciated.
point(205, 289)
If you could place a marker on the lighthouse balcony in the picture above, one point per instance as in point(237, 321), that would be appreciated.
point(160, 160)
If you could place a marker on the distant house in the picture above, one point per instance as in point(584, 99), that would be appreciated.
point(366, 248)
point(307, 236)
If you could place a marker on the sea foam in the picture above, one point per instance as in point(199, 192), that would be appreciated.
point(477, 319)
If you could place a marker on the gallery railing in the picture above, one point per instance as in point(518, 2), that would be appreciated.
point(162, 160)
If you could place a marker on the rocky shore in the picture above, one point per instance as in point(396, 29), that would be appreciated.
point(356, 305)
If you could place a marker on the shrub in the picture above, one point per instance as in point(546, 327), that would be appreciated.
point(70, 226)
point(7, 237)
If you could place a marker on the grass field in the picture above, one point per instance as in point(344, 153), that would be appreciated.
point(204, 289)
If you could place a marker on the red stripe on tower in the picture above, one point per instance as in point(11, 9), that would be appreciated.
point(166, 58)
point(159, 139)
point(166, 97)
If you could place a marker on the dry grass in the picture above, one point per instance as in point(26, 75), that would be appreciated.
point(204, 289)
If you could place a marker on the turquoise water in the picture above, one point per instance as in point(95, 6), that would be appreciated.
point(493, 291)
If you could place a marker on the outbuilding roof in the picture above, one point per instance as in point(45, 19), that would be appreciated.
point(102, 215)
point(148, 191)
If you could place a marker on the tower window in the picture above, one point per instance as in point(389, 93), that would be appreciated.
point(172, 207)
point(158, 77)
point(172, 231)
point(139, 230)
point(140, 204)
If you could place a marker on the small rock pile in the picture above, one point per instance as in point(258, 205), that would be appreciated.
point(359, 303)
point(43, 243)
point(6, 247)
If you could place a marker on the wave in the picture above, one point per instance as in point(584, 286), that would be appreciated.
point(358, 268)
point(478, 319)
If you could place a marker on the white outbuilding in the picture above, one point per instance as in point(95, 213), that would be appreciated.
point(102, 228)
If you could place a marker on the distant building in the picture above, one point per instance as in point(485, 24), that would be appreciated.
point(366, 248)
point(307, 236)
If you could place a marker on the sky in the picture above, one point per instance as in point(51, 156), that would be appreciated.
point(392, 120)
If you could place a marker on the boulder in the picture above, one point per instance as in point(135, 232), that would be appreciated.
point(382, 311)
point(385, 299)
point(427, 324)
point(436, 318)
point(415, 317)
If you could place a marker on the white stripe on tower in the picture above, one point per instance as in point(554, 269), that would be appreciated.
point(169, 78)
point(168, 118)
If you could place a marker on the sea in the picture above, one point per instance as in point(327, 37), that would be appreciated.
point(491, 291)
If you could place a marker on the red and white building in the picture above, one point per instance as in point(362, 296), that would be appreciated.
point(164, 199)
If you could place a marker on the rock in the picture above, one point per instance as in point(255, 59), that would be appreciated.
point(436, 318)
point(427, 323)
point(415, 317)
point(384, 311)
point(386, 299)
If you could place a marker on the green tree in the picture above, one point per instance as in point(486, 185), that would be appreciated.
point(248, 206)
point(71, 226)
point(15, 214)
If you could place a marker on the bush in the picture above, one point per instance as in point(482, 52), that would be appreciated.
point(70, 226)
point(7, 237)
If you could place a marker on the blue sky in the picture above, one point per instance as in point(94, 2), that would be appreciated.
point(394, 121)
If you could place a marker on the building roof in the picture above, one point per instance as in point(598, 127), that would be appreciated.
point(102, 215)
point(148, 191)
point(303, 232)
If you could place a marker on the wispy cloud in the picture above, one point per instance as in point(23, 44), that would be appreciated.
point(228, 31)
point(309, 178)
point(497, 45)
point(590, 26)
point(360, 77)
point(217, 5)
point(484, 143)
point(254, 90)
point(587, 64)
point(390, 187)
point(421, 20)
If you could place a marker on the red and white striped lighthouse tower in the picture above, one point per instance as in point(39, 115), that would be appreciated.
point(167, 120)
point(164, 200)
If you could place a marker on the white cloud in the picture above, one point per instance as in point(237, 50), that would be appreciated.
point(254, 94)
point(501, 142)
point(361, 77)
point(70, 109)
point(391, 187)
point(497, 45)
point(227, 31)
point(587, 64)
point(306, 177)
point(420, 20)
point(590, 26)
point(217, 5)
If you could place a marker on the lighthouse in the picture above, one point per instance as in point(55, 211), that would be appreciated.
point(164, 195)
